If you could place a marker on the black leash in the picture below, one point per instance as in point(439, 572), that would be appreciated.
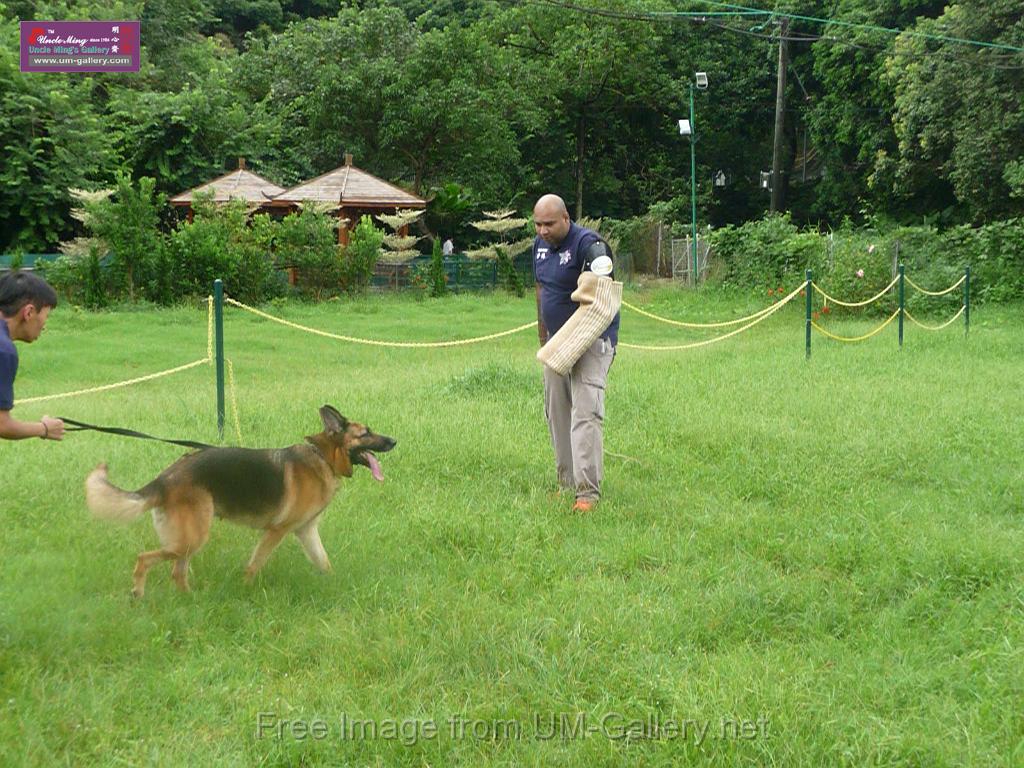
point(81, 426)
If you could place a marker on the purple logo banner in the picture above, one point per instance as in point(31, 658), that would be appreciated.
point(80, 46)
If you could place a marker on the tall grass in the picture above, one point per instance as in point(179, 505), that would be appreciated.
point(796, 563)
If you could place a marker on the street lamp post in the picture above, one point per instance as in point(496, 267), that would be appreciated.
point(693, 188)
point(688, 128)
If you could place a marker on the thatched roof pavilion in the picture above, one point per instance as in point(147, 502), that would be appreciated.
point(352, 192)
point(240, 184)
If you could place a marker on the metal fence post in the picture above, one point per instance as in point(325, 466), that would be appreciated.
point(901, 305)
point(218, 325)
point(967, 300)
point(807, 338)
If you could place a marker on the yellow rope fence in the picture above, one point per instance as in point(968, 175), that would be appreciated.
point(138, 380)
point(234, 400)
point(707, 342)
point(723, 324)
point(864, 303)
point(374, 342)
point(951, 288)
point(949, 322)
point(855, 338)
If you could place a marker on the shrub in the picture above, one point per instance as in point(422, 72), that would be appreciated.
point(437, 276)
point(769, 251)
point(220, 243)
point(307, 242)
point(508, 275)
point(80, 277)
point(360, 256)
point(129, 223)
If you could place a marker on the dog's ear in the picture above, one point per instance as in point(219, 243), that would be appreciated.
point(333, 421)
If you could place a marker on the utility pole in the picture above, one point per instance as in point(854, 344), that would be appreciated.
point(778, 162)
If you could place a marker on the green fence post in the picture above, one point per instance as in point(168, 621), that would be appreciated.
point(809, 291)
point(901, 306)
point(218, 325)
point(967, 300)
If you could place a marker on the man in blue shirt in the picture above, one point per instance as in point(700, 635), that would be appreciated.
point(574, 403)
point(25, 303)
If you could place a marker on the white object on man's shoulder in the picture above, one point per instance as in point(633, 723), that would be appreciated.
point(601, 266)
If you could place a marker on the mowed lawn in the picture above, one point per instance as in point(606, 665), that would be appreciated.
point(796, 563)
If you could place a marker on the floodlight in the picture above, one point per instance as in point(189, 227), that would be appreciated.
point(702, 80)
point(684, 128)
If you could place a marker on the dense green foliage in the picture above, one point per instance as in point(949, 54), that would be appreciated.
point(437, 277)
point(855, 264)
point(362, 253)
point(487, 104)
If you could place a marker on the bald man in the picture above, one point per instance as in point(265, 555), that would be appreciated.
point(574, 403)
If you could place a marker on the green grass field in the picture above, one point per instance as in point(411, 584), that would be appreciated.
point(796, 563)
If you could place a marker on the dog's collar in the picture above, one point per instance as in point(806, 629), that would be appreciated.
point(315, 447)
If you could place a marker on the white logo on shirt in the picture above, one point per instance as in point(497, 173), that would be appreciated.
point(564, 258)
point(542, 253)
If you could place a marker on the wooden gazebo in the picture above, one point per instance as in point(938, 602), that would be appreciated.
point(352, 192)
point(240, 184)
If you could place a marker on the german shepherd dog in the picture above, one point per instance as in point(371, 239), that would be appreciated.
point(279, 491)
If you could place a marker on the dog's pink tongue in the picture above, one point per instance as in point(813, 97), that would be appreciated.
point(375, 467)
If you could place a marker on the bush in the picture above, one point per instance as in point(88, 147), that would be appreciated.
point(80, 279)
point(437, 276)
point(360, 256)
point(307, 242)
point(855, 265)
point(220, 243)
point(508, 275)
point(129, 224)
point(767, 252)
point(995, 253)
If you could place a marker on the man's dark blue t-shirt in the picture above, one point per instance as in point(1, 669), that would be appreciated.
point(8, 368)
point(557, 272)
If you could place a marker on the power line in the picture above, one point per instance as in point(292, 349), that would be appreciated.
point(735, 10)
point(873, 27)
point(717, 19)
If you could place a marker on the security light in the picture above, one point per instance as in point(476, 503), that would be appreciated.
point(684, 128)
point(702, 80)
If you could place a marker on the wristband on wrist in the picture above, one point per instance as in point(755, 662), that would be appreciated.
point(46, 431)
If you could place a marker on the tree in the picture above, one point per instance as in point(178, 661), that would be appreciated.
point(848, 111)
point(399, 246)
point(52, 141)
point(361, 255)
point(502, 223)
point(959, 114)
point(595, 76)
point(417, 107)
point(307, 242)
point(129, 223)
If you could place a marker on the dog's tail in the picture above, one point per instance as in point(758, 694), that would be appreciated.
point(108, 502)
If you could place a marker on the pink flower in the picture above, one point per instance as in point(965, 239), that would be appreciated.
point(860, 273)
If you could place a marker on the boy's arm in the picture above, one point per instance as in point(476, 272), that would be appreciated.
point(46, 428)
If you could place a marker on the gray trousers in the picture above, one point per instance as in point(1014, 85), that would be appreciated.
point(574, 408)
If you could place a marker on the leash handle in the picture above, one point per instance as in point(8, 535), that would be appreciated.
point(81, 426)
